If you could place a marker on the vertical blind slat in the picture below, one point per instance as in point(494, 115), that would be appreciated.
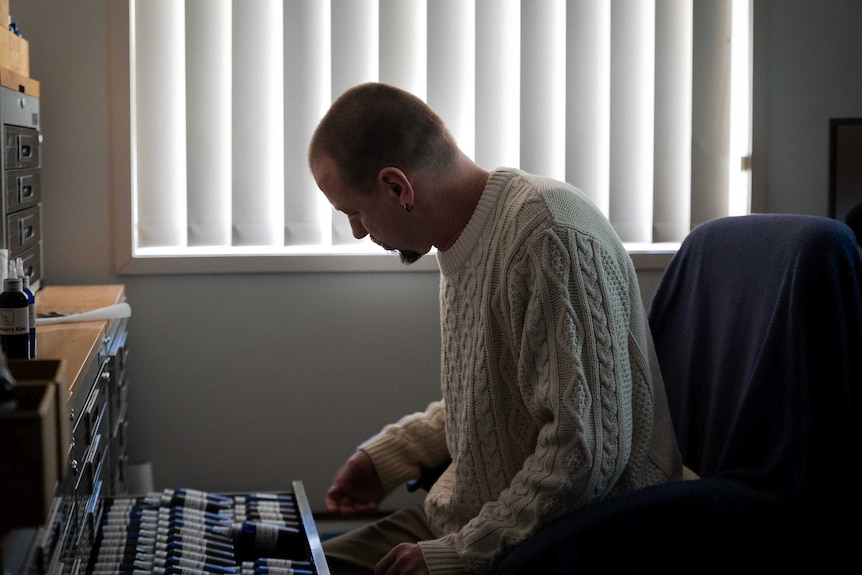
point(258, 123)
point(452, 67)
point(739, 181)
point(306, 91)
point(710, 110)
point(543, 88)
point(632, 118)
point(160, 124)
point(672, 204)
point(588, 89)
point(208, 117)
point(404, 45)
point(498, 81)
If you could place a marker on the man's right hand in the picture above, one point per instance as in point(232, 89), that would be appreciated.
point(356, 489)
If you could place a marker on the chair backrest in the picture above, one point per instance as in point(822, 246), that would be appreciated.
point(757, 324)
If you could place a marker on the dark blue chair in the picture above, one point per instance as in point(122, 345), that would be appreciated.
point(757, 324)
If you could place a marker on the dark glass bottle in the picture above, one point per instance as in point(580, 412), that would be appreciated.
point(255, 539)
point(14, 320)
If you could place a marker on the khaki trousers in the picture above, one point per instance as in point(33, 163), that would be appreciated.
point(356, 552)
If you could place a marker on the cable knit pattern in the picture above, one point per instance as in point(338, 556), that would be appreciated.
point(547, 386)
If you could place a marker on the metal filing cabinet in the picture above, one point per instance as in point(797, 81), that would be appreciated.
point(21, 224)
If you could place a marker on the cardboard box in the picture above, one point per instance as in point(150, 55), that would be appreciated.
point(14, 53)
point(35, 438)
point(5, 48)
point(14, 57)
point(19, 54)
point(29, 372)
point(28, 457)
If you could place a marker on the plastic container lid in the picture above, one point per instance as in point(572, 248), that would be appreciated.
point(13, 284)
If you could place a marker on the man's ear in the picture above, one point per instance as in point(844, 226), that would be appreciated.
point(395, 182)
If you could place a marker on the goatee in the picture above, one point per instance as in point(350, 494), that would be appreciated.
point(407, 256)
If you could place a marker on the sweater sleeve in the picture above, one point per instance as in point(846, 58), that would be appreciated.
point(402, 449)
point(568, 315)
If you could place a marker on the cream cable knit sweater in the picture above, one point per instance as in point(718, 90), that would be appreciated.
point(552, 394)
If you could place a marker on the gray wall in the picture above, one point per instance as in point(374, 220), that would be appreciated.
point(244, 382)
point(808, 69)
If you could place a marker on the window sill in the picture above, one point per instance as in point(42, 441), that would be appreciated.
point(652, 257)
point(645, 257)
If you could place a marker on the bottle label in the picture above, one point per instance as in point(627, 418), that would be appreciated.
point(265, 536)
point(194, 503)
point(14, 321)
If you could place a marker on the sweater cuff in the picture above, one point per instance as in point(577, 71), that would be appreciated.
point(387, 455)
point(441, 558)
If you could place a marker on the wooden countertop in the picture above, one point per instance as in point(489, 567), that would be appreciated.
point(78, 343)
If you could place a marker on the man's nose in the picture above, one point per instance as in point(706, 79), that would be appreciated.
point(358, 229)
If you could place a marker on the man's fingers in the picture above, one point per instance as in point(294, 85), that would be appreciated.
point(384, 564)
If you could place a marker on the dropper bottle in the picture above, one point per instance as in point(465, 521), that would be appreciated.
point(14, 319)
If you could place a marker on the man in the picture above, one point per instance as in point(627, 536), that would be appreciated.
point(552, 398)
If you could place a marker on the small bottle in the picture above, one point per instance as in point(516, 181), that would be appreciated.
point(190, 499)
point(271, 566)
point(279, 541)
point(14, 319)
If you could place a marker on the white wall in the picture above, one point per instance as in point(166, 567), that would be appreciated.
point(243, 382)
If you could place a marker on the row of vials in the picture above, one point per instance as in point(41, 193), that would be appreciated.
point(191, 532)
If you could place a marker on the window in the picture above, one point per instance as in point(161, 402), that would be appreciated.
point(642, 104)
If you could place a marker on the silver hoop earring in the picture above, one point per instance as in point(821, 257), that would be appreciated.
point(408, 208)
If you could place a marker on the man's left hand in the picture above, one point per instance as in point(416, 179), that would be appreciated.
point(404, 559)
